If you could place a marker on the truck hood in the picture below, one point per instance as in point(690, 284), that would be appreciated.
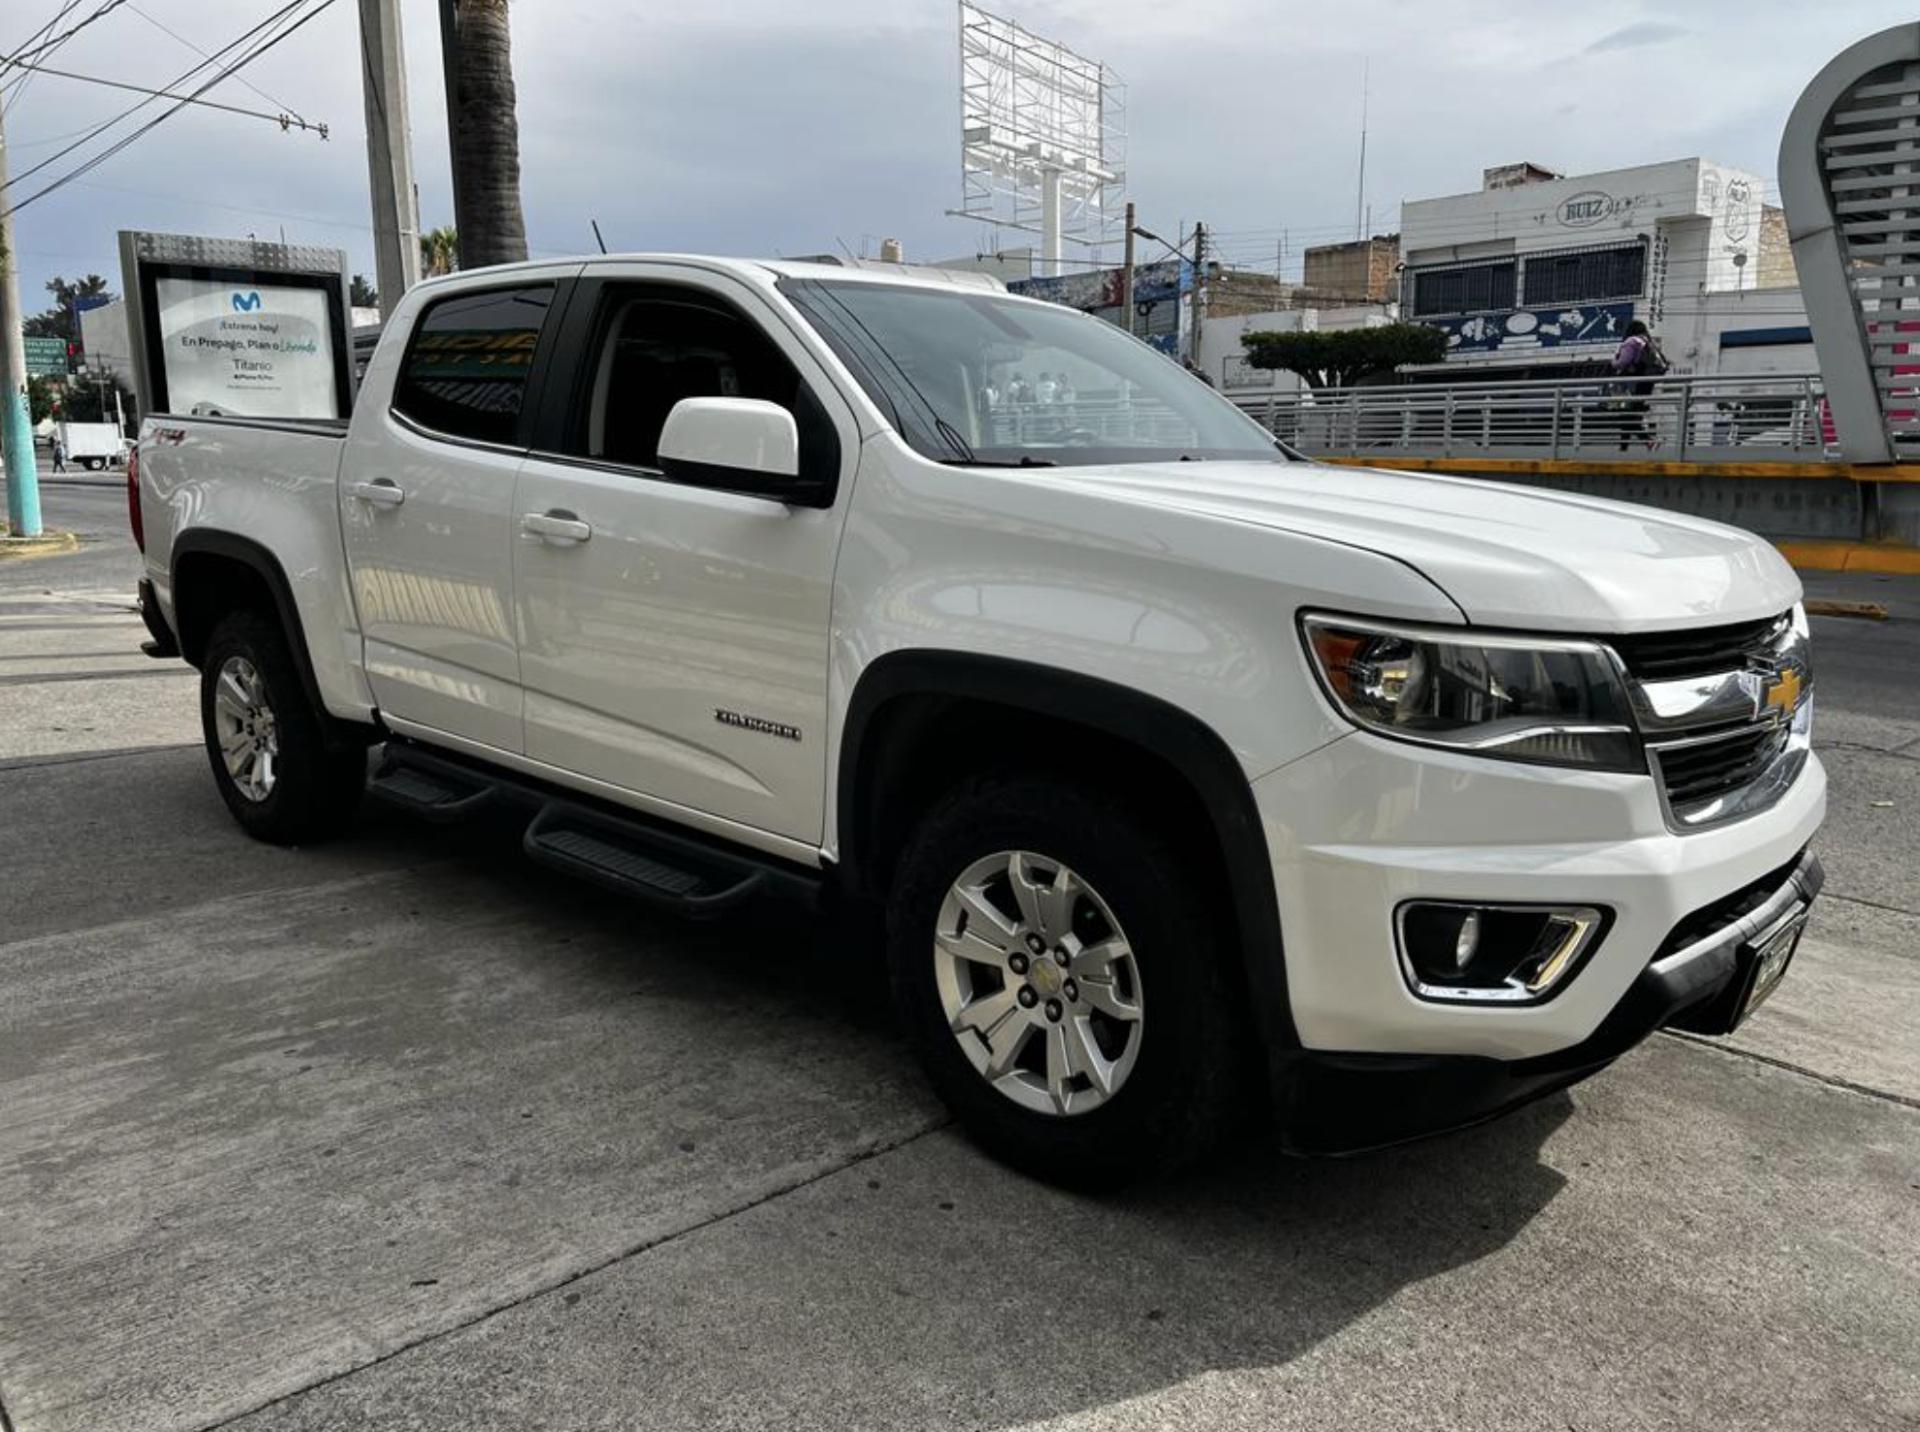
point(1507, 555)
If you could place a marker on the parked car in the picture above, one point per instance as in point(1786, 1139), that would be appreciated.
point(1195, 778)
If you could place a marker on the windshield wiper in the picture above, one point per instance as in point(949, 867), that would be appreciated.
point(964, 455)
point(1025, 461)
point(950, 435)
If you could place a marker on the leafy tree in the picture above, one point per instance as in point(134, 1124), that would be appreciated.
point(60, 321)
point(78, 400)
point(40, 396)
point(91, 401)
point(439, 251)
point(1342, 357)
point(362, 294)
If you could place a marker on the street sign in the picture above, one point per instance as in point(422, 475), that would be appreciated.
point(46, 357)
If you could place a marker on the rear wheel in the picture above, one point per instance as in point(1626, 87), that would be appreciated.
point(1056, 963)
point(267, 745)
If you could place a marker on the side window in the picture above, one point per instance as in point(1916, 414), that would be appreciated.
point(467, 364)
point(656, 347)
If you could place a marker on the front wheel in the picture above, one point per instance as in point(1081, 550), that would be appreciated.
point(275, 770)
point(1056, 962)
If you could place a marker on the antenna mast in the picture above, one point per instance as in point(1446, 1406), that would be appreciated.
point(1360, 198)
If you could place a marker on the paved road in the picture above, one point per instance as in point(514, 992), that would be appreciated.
point(404, 1133)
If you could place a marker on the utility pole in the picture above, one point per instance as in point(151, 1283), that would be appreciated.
point(396, 205)
point(1126, 275)
point(16, 426)
point(1199, 289)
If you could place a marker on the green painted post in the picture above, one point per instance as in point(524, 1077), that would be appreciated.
point(16, 425)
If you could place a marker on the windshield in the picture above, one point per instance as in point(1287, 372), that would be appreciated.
point(974, 378)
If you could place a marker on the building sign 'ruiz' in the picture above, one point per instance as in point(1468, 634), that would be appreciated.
point(1588, 208)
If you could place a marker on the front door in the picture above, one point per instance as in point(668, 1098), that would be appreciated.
point(427, 505)
point(674, 638)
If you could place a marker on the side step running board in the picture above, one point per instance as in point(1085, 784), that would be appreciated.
point(432, 795)
point(690, 881)
point(689, 874)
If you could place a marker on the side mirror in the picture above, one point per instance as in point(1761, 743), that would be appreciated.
point(735, 444)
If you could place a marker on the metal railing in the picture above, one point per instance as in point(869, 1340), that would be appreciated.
point(1725, 419)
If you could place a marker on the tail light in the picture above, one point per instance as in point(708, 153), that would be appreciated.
point(133, 498)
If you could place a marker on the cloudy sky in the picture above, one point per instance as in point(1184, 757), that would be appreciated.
point(781, 126)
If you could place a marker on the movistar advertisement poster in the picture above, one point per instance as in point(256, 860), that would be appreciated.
point(246, 350)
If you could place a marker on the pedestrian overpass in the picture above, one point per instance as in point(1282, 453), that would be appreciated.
point(1762, 452)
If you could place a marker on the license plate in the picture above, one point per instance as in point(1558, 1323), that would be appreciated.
point(1771, 956)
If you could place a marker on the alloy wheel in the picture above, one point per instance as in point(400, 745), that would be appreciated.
point(244, 725)
point(1038, 983)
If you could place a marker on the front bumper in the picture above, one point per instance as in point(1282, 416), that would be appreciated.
point(1365, 824)
point(1339, 1103)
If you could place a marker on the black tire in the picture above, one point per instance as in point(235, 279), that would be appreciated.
point(316, 787)
point(92, 464)
point(1180, 1096)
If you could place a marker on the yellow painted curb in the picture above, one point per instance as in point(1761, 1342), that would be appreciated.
point(1887, 558)
point(45, 545)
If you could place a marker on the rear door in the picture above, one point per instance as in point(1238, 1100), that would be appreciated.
point(426, 497)
point(674, 637)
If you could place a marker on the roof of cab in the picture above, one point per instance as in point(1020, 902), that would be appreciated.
point(756, 270)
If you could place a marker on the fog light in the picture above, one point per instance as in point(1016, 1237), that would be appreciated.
point(1494, 954)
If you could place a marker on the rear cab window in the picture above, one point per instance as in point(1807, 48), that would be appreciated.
point(469, 361)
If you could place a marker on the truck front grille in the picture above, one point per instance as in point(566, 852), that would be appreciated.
point(1701, 651)
point(1706, 770)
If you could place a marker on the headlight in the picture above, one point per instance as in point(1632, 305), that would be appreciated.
point(1559, 703)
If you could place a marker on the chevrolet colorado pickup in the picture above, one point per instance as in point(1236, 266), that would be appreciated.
point(1196, 780)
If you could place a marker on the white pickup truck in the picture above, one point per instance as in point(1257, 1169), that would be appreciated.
point(1196, 779)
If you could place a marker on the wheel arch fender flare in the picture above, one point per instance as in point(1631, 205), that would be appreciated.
point(1177, 739)
point(258, 559)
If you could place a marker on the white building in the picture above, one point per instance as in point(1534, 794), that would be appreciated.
point(1538, 274)
point(1223, 356)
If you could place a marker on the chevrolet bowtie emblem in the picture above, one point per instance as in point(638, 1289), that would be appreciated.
point(1783, 693)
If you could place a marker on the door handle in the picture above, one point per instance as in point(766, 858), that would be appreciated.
point(559, 527)
point(381, 492)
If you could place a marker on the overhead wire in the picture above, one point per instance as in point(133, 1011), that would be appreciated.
point(242, 79)
point(280, 26)
point(17, 86)
point(127, 113)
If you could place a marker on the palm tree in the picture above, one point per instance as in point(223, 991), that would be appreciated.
point(483, 130)
point(440, 251)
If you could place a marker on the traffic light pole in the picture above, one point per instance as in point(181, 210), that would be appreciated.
point(16, 427)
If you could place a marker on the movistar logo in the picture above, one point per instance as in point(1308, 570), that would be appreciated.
point(246, 302)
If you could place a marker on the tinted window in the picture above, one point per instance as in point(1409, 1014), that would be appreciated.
point(466, 369)
point(658, 346)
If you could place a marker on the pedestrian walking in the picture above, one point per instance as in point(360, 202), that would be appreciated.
point(59, 456)
point(1638, 360)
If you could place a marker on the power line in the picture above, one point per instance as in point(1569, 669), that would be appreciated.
point(259, 48)
point(278, 18)
point(284, 119)
point(19, 83)
point(134, 109)
point(34, 47)
point(166, 30)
